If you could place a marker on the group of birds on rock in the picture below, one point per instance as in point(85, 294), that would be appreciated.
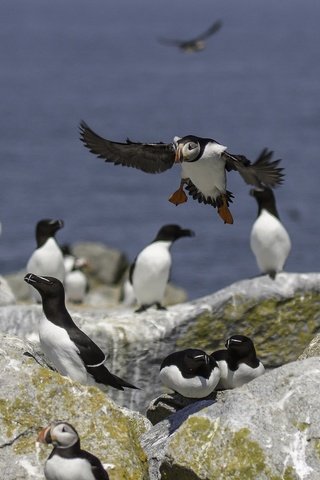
point(55, 276)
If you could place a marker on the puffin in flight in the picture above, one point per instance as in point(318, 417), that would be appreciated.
point(204, 163)
point(195, 44)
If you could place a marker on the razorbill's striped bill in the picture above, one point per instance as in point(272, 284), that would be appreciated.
point(149, 274)
point(68, 461)
point(190, 372)
point(269, 240)
point(204, 165)
point(69, 349)
point(238, 363)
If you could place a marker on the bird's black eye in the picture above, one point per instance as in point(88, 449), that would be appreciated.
point(63, 429)
point(190, 146)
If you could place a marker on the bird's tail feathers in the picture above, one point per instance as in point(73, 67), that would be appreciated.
point(102, 375)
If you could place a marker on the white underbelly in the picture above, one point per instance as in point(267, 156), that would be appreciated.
point(196, 387)
point(237, 378)
point(59, 468)
point(269, 242)
point(208, 175)
point(61, 352)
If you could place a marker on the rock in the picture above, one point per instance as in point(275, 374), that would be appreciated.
point(106, 265)
point(266, 429)
point(281, 316)
point(32, 396)
point(313, 349)
point(6, 295)
point(169, 403)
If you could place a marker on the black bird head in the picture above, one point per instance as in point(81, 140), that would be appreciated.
point(240, 346)
point(170, 233)
point(265, 199)
point(60, 434)
point(47, 228)
point(195, 359)
point(48, 287)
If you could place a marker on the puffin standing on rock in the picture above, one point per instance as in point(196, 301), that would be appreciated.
point(67, 460)
point(47, 259)
point(190, 372)
point(149, 274)
point(238, 363)
point(204, 163)
point(269, 240)
point(69, 349)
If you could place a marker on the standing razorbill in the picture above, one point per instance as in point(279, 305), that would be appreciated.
point(149, 274)
point(47, 259)
point(69, 349)
point(68, 461)
point(190, 372)
point(269, 240)
point(238, 364)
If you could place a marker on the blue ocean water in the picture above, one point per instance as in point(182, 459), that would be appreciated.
point(256, 85)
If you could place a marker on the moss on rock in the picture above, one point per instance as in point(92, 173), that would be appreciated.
point(220, 454)
point(281, 327)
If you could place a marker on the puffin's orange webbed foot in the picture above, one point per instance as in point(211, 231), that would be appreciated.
point(224, 211)
point(178, 196)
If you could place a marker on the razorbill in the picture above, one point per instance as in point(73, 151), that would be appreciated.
point(195, 44)
point(238, 363)
point(190, 372)
point(269, 240)
point(69, 349)
point(47, 259)
point(204, 165)
point(76, 282)
point(149, 273)
point(68, 461)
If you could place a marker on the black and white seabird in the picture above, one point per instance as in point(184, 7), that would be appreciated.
point(195, 44)
point(68, 461)
point(69, 349)
point(190, 372)
point(149, 274)
point(204, 163)
point(47, 259)
point(269, 240)
point(76, 282)
point(238, 363)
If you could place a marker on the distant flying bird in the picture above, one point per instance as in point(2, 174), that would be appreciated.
point(204, 165)
point(269, 240)
point(67, 460)
point(195, 44)
point(69, 349)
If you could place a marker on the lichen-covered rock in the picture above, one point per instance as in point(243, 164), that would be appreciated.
point(313, 349)
point(267, 429)
point(6, 294)
point(281, 316)
point(31, 396)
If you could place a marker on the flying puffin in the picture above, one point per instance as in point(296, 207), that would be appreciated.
point(195, 44)
point(238, 363)
point(190, 372)
point(69, 349)
point(68, 461)
point(204, 163)
point(47, 259)
point(269, 240)
point(149, 274)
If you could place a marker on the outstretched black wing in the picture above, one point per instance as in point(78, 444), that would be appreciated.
point(148, 157)
point(263, 172)
point(213, 29)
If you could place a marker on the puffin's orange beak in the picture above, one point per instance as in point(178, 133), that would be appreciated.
point(44, 436)
point(178, 154)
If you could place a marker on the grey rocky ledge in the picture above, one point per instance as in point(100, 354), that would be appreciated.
point(282, 316)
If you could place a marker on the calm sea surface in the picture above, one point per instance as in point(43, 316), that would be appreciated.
point(256, 85)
